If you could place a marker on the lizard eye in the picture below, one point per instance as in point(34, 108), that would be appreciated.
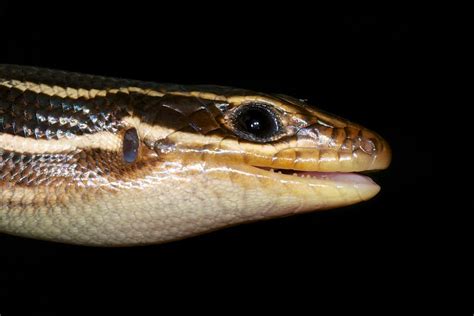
point(256, 122)
point(130, 145)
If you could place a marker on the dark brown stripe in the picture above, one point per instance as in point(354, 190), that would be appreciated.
point(69, 79)
point(92, 167)
point(40, 116)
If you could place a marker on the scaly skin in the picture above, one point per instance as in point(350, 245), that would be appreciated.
point(63, 176)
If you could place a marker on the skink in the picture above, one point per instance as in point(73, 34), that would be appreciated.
point(100, 161)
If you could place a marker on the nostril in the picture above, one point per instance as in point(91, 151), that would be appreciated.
point(368, 146)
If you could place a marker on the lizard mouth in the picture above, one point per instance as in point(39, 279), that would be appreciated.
point(346, 178)
point(315, 190)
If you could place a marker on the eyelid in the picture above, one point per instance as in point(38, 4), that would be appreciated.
point(254, 104)
point(269, 106)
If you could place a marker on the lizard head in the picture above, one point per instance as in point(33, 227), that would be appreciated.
point(248, 156)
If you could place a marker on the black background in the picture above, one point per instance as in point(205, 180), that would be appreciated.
point(367, 68)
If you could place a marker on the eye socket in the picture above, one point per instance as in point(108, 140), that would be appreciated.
point(256, 122)
point(131, 143)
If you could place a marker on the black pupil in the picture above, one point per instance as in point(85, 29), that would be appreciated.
point(130, 145)
point(258, 122)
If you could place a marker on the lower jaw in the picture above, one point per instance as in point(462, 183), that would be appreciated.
point(323, 190)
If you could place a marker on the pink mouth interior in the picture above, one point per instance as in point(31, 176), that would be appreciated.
point(336, 176)
point(345, 177)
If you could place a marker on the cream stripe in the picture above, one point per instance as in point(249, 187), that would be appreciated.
point(100, 140)
point(199, 94)
point(92, 93)
point(72, 92)
point(67, 92)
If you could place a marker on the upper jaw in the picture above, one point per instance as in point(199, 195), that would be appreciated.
point(319, 161)
point(326, 170)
